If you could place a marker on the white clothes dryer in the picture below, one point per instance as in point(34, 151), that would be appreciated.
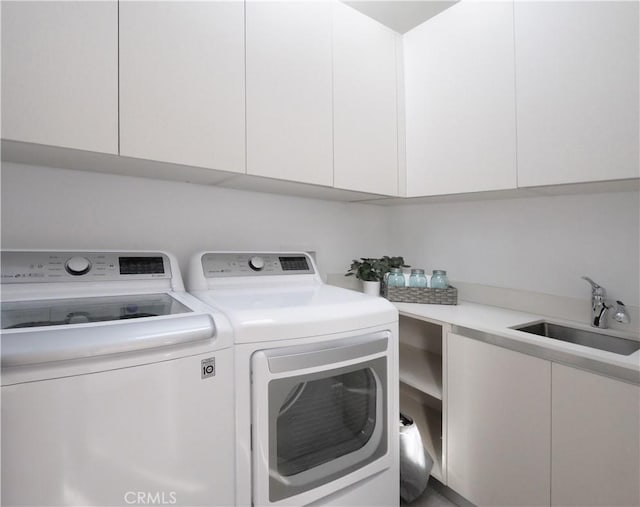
point(316, 381)
point(116, 383)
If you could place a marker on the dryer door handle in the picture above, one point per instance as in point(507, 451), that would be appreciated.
point(297, 358)
point(83, 341)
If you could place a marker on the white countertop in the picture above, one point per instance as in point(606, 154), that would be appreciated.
point(492, 324)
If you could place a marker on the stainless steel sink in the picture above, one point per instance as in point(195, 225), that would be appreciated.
point(591, 339)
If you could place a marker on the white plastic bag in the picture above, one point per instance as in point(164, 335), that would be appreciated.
point(415, 461)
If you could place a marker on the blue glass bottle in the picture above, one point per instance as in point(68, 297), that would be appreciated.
point(395, 278)
point(439, 279)
point(417, 278)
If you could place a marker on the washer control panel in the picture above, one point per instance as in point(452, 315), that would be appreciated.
point(40, 267)
point(225, 264)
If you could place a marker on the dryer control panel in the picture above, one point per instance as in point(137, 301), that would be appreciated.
point(229, 264)
point(39, 267)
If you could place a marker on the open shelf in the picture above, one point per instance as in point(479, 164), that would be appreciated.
point(429, 423)
point(421, 369)
point(421, 357)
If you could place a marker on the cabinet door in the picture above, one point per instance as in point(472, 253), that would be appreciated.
point(289, 91)
point(60, 74)
point(460, 104)
point(182, 83)
point(365, 119)
point(596, 443)
point(577, 91)
point(498, 424)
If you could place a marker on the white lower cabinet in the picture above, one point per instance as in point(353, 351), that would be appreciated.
point(498, 424)
point(509, 429)
point(595, 457)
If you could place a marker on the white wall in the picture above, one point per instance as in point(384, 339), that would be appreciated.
point(540, 244)
point(63, 209)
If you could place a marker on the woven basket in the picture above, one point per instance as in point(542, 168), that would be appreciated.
point(448, 296)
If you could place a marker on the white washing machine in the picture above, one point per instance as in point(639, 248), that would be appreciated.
point(116, 383)
point(316, 381)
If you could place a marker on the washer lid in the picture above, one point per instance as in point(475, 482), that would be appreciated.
point(59, 312)
point(184, 326)
point(277, 312)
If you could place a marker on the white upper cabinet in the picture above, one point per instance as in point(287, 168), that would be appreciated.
point(577, 91)
point(182, 83)
point(289, 91)
point(460, 101)
point(60, 74)
point(365, 118)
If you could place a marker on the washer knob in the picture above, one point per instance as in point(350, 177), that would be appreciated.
point(256, 263)
point(77, 266)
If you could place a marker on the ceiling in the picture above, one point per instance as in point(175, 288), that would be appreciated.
point(400, 15)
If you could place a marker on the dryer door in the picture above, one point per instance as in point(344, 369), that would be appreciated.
point(320, 417)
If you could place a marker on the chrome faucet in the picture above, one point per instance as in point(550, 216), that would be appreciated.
point(600, 307)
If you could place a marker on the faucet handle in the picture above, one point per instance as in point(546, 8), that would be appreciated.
point(595, 288)
point(621, 314)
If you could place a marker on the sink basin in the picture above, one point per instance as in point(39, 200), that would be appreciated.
point(591, 339)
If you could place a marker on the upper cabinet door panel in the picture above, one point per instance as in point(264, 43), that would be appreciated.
point(577, 91)
point(182, 83)
point(60, 74)
point(460, 103)
point(365, 103)
point(289, 91)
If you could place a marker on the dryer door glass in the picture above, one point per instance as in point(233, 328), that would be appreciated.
point(321, 420)
point(324, 424)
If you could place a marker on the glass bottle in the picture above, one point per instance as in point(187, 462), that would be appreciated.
point(417, 278)
point(439, 279)
point(395, 278)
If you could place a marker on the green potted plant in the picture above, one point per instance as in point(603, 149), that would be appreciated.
point(371, 271)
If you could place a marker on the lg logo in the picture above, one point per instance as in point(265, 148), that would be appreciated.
point(208, 367)
point(149, 498)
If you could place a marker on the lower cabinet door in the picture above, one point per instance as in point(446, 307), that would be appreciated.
point(595, 440)
point(499, 424)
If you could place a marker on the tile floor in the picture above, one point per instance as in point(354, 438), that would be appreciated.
point(430, 498)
